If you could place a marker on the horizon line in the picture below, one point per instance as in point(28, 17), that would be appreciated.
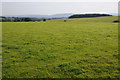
point(60, 13)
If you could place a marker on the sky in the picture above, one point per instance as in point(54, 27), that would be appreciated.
point(12, 7)
point(60, 0)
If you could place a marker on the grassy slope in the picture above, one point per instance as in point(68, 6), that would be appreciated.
point(84, 48)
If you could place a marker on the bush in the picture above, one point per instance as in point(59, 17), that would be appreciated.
point(116, 21)
point(44, 20)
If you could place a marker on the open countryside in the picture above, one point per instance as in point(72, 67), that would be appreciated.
point(75, 48)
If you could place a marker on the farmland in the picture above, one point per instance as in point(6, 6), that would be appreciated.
point(78, 48)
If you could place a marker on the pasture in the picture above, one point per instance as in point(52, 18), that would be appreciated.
point(78, 48)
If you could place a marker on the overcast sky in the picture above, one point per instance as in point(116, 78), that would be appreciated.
point(60, 0)
point(48, 8)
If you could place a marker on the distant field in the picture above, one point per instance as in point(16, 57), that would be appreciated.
point(78, 48)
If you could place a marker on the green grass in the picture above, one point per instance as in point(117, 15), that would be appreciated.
point(78, 48)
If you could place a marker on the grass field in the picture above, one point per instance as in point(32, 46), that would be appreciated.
point(78, 48)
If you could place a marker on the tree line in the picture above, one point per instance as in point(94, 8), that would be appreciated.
point(18, 19)
point(23, 19)
point(88, 15)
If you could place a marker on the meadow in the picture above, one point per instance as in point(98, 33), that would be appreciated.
point(78, 48)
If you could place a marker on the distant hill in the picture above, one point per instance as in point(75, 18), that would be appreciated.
point(65, 15)
point(88, 15)
point(115, 14)
point(61, 15)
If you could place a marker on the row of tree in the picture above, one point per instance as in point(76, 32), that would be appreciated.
point(23, 19)
point(88, 15)
point(19, 19)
